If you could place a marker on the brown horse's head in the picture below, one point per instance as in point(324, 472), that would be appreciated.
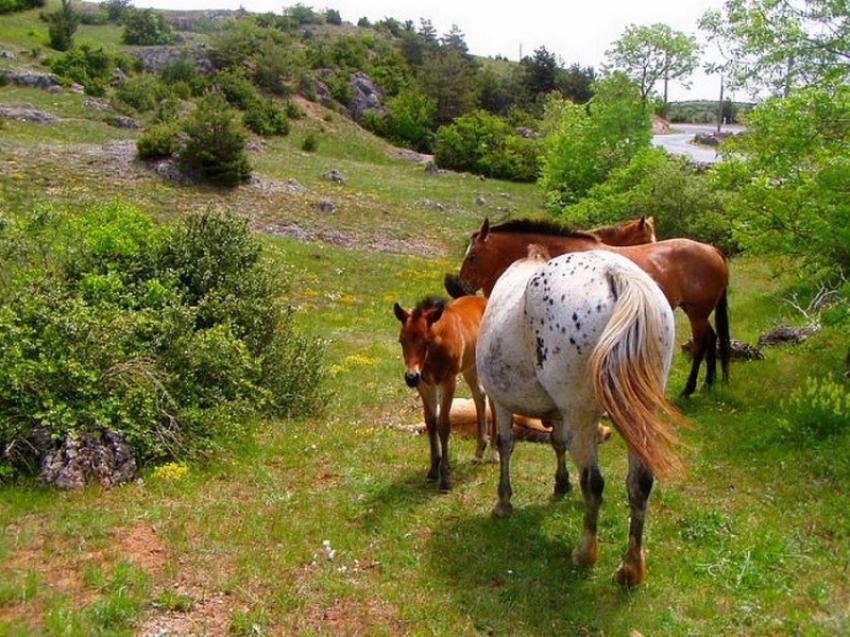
point(479, 262)
point(628, 233)
point(417, 335)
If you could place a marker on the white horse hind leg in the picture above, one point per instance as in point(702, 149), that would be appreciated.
point(505, 439)
point(583, 451)
point(632, 569)
point(560, 443)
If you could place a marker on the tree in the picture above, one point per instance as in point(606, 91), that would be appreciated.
point(649, 54)
point(576, 83)
point(448, 77)
point(63, 23)
point(455, 40)
point(332, 16)
point(781, 44)
point(539, 72)
point(789, 175)
point(147, 27)
point(585, 143)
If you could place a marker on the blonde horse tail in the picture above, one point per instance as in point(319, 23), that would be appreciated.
point(628, 371)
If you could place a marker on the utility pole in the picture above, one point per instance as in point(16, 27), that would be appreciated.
point(720, 106)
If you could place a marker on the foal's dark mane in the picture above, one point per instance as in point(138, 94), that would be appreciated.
point(540, 226)
point(429, 303)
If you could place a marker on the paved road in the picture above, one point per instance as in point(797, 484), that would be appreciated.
point(680, 142)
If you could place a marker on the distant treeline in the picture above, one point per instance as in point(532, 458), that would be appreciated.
point(705, 111)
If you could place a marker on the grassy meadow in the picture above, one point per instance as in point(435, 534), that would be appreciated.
point(326, 526)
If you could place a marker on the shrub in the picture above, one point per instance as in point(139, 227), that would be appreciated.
point(174, 337)
point(90, 67)
point(236, 89)
point(142, 92)
point(332, 16)
point(292, 110)
point(310, 143)
point(182, 69)
point(682, 199)
point(10, 6)
point(585, 144)
point(410, 116)
point(817, 408)
point(485, 144)
point(146, 27)
point(158, 140)
point(265, 119)
point(215, 143)
point(62, 24)
point(116, 10)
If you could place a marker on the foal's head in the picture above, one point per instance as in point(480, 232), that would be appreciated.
point(417, 335)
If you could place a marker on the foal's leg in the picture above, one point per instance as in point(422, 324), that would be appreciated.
point(428, 393)
point(632, 569)
point(471, 378)
point(505, 439)
point(560, 442)
point(447, 394)
point(698, 331)
point(583, 451)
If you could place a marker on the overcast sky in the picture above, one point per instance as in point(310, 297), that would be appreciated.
point(576, 31)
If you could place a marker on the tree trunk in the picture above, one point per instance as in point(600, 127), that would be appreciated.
point(720, 106)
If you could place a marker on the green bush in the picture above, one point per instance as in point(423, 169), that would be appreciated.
point(819, 407)
point(10, 6)
point(63, 24)
point(182, 69)
point(173, 336)
point(143, 92)
point(683, 200)
point(310, 143)
point(236, 89)
point(90, 67)
point(292, 110)
point(158, 140)
point(485, 144)
point(410, 116)
point(265, 119)
point(215, 143)
point(146, 27)
point(584, 144)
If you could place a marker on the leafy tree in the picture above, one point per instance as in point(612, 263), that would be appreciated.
point(779, 44)
point(494, 95)
point(62, 24)
point(302, 14)
point(455, 40)
point(410, 116)
point(215, 143)
point(448, 77)
point(364, 22)
point(90, 67)
point(789, 173)
point(585, 143)
point(576, 83)
point(147, 27)
point(332, 16)
point(539, 72)
point(116, 9)
point(649, 54)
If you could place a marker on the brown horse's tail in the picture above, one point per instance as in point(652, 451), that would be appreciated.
point(721, 321)
point(628, 372)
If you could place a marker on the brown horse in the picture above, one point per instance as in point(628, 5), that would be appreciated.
point(693, 276)
point(438, 342)
point(627, 233)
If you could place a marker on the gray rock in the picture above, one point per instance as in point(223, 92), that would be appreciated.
point(33, 79)
point(436, 205)
point(27, 115)
point(101, 457)
point(528, 133)
point(77, 89)
point(480, 200)
point(367, 96)
point(323, 94)
point(325, 205)
point(168, 169)
point(96, 104)
point(431, 168)
point(335, 176)
point(122, 121)
point(295, 187)
point(8, 55)
point(155, 58)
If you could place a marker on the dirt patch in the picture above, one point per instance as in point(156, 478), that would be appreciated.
point(208, 614)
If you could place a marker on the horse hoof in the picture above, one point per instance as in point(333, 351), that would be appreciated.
point(562, 489)
point(445, 488)
point(628, 575)
point(431, 477)
point(503, 510)
point(494, 458)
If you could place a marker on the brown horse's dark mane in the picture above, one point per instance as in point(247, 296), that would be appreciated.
point(540, 226)
point(429, 303)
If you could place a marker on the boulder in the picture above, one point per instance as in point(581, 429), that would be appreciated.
point(324, 95)
point(367, 96)
point(27, 114)
point(325, 205)
point(8, 55)
point(122, 121)
point(528, 133)
point(33, 79)
point(87, 458)
point(787, 334)
point(335, 176)
point(155, 58)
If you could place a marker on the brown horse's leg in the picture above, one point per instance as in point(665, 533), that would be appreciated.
point(710, 355)
point(505, 439)
point(632, 569)
point(559, 444)
point(698, 327)
point(721, 320)
point(428, 393)
point(447, 391)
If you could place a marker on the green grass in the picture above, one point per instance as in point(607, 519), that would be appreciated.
point(754, 539)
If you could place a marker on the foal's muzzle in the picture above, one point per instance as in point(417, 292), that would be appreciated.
point(411, 378)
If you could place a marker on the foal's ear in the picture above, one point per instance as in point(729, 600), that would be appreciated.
point(642, 221)
point(400, 314)
point(485, 230)
point(434, 315)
